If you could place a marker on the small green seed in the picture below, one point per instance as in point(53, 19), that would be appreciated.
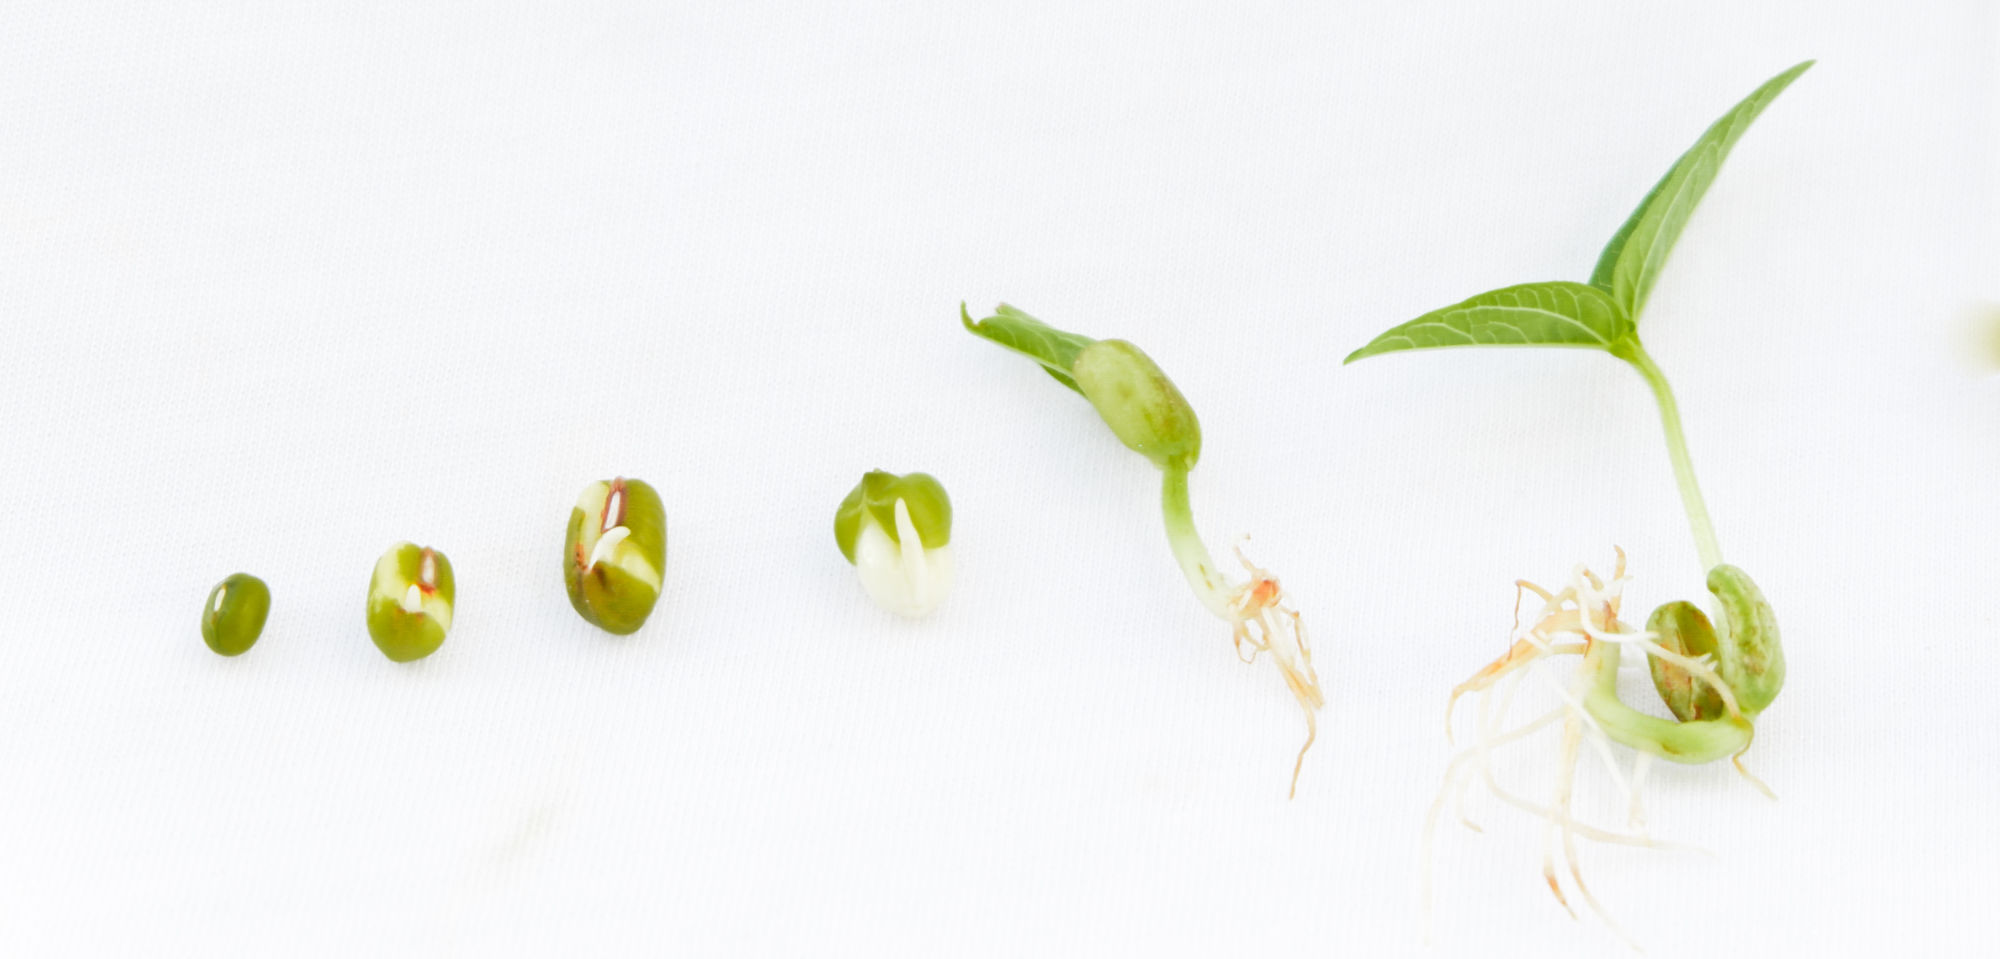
point(410, 602)
point(234, 616)
point(1683, 628)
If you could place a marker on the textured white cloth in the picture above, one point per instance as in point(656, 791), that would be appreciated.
point(281, 285)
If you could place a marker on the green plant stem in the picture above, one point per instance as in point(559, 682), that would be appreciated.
point(1693, 742)
point(1189, 551)
point(1670, 418)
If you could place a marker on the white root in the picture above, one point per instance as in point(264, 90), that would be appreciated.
point(1570, 622)
point(1263, 622)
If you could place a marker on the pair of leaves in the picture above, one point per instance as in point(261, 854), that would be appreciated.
point(1605, 311)
point(1056, 350)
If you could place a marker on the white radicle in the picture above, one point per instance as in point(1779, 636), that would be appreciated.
point(896, 530)
point(899, 574)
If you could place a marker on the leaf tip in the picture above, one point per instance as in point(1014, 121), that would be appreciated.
point(1783, 80)
point(965, 317)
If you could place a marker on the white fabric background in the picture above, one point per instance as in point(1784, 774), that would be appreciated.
point(281, 287)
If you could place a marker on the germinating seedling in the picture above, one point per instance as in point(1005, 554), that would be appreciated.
point(1715, 678)
point(614, 554)
point(1149, 415)
point(896, 532)
point(411, 598)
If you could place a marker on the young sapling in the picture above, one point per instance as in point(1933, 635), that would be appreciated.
point(1150, 416)
point(1714, 676)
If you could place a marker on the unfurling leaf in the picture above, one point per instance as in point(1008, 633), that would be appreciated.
point(1055, 349)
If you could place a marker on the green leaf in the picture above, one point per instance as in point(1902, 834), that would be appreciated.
point(1055, 349)
point(1559, 313)
point(1632, 260)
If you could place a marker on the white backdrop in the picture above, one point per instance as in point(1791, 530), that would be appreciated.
point(279, 288)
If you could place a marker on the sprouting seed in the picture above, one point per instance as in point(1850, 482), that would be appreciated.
point(1150, 416)
point(234, 615)
point(615, 554)
point(410, 601)
point(896, 532)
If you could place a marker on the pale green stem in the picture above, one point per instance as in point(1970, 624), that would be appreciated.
point(1670, 418)
point(1693, 742)
point(1207, 581)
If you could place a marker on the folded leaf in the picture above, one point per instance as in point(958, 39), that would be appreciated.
point(1632, 260)
point(1533, 314)
point(1055, 349)
point(1747, 654)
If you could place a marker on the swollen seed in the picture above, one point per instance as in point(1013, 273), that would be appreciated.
point(615, 553)
point(234, 616)
point(410, 602)
point(1139, 403)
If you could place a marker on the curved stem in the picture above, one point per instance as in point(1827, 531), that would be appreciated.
point(1189, 551)
point(1693, 742)
point(1670, 418)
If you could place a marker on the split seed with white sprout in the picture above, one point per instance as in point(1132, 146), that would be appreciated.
point(615, 553)
point(410, 600)
point(896, 532)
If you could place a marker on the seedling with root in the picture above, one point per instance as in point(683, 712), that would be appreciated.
point(1582, 620)
point(1714, 677)
point(1149, 415)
